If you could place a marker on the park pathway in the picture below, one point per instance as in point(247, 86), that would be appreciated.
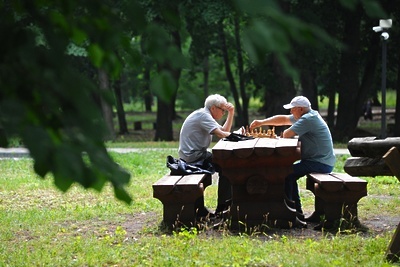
point(20, 152)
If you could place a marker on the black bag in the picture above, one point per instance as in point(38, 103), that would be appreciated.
point(180, 167)
point(235, 137)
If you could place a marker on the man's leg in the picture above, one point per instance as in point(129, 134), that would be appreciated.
point(224, 187)
point(301, 169)
point(291, 187)
point(289, 182)
point(224, 194)
point(296, 197)
point(292, 193)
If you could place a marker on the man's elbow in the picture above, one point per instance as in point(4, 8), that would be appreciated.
point(223, 134)
point(288, 134)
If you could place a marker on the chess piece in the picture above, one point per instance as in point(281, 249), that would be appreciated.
point(269, 133)
point(273, 135)
point(264, 134)
point(255, 133)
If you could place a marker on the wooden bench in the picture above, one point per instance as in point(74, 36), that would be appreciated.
point(336, 196)
point(182, 197)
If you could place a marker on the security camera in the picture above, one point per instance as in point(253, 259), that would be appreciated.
point(385, 36)
point(385, 23)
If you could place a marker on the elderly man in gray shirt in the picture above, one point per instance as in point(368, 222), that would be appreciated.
point(196, 136)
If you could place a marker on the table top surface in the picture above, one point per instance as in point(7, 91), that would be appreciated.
point(258, 146)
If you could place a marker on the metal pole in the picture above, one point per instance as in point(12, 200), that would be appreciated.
point(383, 112)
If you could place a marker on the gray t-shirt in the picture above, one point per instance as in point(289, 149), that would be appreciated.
point(315, 137)
point(195, 136)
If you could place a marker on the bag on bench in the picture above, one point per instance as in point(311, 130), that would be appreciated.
point(235, 137)
point(180, 167)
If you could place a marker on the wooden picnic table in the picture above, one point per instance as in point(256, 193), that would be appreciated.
point(257, 170)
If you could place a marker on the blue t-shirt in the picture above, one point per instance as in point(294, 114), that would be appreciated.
point(195, 136)
point(315, 138)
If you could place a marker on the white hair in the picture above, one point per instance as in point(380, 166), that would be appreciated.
point(214, 100)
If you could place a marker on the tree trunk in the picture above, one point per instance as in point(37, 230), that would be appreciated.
point(123, 128)
point(309, 87)
point(166, 107)
point(228, 72)
point(176, 74)
point(347, 114)
point(147, 95)
point(367, 81)
point(244, 119)
point(164, 121)
point(279, 91)
point(330, 119)
point(106, 108)
point(206, 71)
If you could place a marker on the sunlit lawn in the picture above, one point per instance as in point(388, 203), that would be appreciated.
point(42, 226)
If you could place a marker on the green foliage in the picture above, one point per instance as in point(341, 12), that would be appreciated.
point(163, 85)
point(46, 101)
point(372, 8)
point(271, 30)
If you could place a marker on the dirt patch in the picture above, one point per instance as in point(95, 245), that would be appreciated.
point(150, 223)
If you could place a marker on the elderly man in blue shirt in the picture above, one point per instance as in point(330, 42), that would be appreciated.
point(317, 153)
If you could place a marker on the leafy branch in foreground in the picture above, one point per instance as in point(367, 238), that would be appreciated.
point(48, 101)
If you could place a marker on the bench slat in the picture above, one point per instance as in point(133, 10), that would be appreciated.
point(190, 182)
point(166, 184)
point(351, 182)
point(327, 182)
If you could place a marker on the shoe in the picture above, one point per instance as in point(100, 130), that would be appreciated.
point(204, 212)
point(290, 203)
point(300, 224)
point(217, 222)
point(314, 217)
point(224, 214)
point(221, 208)
point(300, 215)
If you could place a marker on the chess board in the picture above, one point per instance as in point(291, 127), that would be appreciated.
point(260, 132)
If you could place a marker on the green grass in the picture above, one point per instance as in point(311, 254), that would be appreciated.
point(42, 226)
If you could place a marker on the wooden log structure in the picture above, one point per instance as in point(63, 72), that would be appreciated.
point(377, 157)
point(392, 159)
point(372, 147)
point(367, 156)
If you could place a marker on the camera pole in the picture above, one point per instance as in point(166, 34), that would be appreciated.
point(383, 89)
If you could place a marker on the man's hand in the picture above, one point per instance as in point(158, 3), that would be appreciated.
point(241, 130)
point(255, 124)
point(228, 107)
